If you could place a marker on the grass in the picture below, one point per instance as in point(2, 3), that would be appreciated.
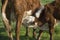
point(46, 1)
point(45, 36)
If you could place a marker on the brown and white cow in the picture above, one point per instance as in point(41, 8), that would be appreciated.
point(49, 15)
point(18, 7)
point(47, 18)
point(29, 20)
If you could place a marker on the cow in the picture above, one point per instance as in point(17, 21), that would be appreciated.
point(18, 7)
point(28, 20)
point(48, 16)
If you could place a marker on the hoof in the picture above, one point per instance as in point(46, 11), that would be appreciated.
point(38, 38)
point(26, 36)
point(35, 37)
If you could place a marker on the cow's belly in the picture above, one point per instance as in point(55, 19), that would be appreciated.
point(44, 27)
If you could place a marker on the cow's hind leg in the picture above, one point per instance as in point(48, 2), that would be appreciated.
point(5, 20)
point(27, 31)
point(8, 29)
point(7, 26)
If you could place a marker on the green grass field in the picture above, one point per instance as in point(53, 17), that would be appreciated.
point(45, 36)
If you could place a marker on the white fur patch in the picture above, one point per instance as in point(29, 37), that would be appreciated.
point(28, 20)
point(4, 16)
point(39, 12)
point(35, 25)
point(28, 12)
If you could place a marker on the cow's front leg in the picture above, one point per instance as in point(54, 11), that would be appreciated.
point(27, 31)
point(51, 30)
point(39, 36)
point(34, 33)
point(51, 27)
point(18, 24)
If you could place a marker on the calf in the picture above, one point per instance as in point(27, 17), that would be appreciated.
point(37, 20)
point(29, 20)
point(49, 15)
point(46, 18)
point(18, 7)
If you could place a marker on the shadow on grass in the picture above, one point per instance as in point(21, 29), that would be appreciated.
point(21, 37)
point(25, 38)
point(3, 36)
point(2, 30)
